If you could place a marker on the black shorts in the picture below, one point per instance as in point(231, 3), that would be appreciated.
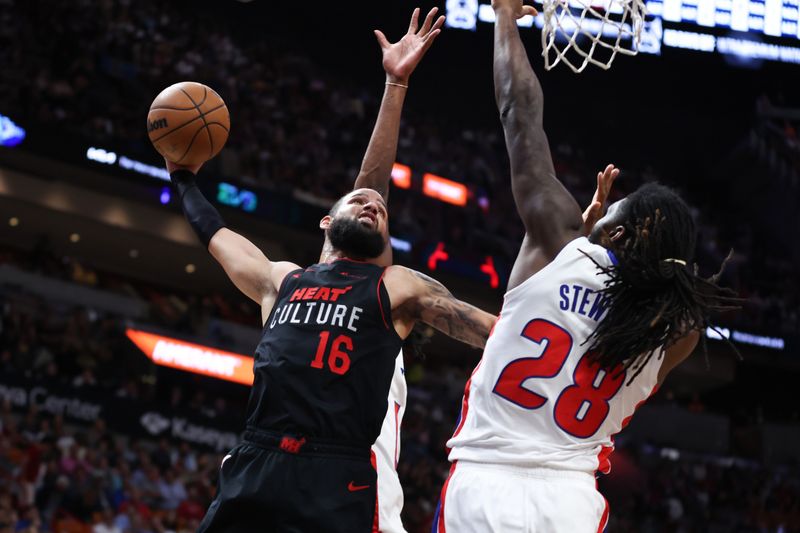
point(264, 488)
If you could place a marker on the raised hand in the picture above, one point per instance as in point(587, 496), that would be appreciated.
point(401, 58)
point(515, 6)
point(594, 212)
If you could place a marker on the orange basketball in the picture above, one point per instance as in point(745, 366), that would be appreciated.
point(188, 123)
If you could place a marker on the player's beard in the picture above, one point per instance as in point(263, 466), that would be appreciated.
point(354, 239)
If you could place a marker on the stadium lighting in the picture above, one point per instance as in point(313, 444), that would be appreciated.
point(438, 255)
point(400, 244)
point(742, 337)
point(488, 268)
point(444, 189)
point(401, 176)
point(10, 133)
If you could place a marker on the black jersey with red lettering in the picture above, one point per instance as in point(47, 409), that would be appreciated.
point(327, 354)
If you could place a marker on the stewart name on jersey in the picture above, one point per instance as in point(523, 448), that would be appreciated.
point(326, 356)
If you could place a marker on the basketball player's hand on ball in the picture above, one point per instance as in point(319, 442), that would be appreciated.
point(401, 58)
point(172, 167)
point(597, 208)
point(515, 6)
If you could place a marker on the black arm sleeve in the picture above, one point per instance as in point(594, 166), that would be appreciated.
point(202, 216)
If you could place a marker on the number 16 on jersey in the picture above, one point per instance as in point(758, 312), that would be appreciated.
point(338, 358)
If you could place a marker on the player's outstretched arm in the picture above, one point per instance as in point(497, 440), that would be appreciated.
point(247, 267)
point(550, 213)
point(244, 263)
point(399, 61)
point(417, 297)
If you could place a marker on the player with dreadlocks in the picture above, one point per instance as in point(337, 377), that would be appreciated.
point(654, 299)
point(594, 318)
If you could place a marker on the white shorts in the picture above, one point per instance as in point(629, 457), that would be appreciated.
point(482, 498)
point(390, 499)
point(386, 452)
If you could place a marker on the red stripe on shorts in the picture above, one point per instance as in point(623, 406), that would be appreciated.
point(604, 518)
point(396, 433)
point(440, 526)
point(376, 520)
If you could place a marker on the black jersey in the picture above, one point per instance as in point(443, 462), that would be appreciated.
point(327, 354)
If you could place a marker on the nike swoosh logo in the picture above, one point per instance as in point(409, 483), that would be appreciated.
point(225, 459)
point(353, 487)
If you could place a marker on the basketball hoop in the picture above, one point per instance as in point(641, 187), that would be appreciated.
point(580, 32)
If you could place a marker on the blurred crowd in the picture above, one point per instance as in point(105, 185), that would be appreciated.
point(775, 139)
point(59, 478)
point(666, 491)
point(301, 128)
point(67, 479)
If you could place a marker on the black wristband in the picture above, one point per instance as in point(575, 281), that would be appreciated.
point(202, 216)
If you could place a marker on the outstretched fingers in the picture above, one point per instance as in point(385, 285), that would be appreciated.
point(595, 211)
point(437, 26)
point(436, 30)
point(428, 41)
point(426, 26)
point(382, 40)
point(605, 180)
point(414, 24)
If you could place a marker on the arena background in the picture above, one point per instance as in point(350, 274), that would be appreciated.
point(100, 276)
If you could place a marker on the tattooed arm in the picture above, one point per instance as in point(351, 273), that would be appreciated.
point(417, 297)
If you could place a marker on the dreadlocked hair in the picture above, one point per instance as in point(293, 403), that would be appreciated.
point(653, 297)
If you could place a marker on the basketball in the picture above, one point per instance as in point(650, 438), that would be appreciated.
point(188, 123)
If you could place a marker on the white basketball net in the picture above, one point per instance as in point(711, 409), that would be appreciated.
point(580, 32)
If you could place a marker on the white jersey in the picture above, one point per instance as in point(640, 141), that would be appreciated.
point(386, 452)
point(535, 399)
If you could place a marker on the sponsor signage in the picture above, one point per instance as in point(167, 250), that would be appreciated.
point(194, 358)
point(107, 157)
point(55, 403)
point(158, 425)
point(86, 405)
